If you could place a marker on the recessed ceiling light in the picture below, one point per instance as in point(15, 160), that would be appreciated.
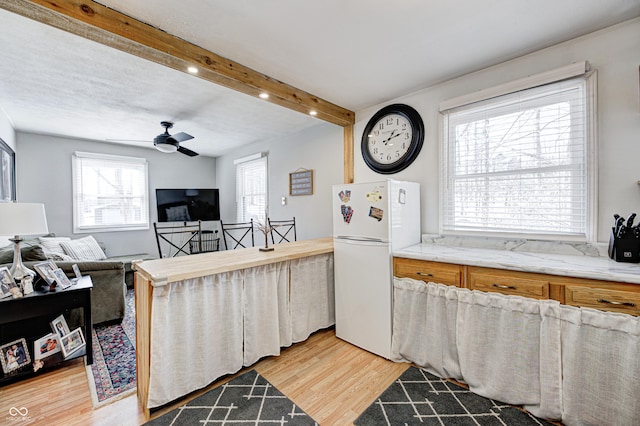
point(264, 95)
point(312, 112)
point(193, 70)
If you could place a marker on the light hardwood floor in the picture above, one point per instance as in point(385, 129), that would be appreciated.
point(333, 381)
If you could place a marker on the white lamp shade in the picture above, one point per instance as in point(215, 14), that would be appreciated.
point(22, 219)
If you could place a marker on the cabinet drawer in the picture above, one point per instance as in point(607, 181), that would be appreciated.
point(443, 273)
point(511, 283)
point(627, 302)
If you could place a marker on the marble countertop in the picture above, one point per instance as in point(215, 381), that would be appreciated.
point(580, 266)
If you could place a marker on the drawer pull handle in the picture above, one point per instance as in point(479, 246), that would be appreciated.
point(424, 274)
point(508, 287)
point(613, 302)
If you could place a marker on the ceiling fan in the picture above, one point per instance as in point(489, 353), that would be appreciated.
point(165, 142)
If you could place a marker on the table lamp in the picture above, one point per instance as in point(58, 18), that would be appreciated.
point(21, 219)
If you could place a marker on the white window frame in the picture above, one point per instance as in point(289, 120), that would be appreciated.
point(574, 70)
point(259, 159)
point(77, 203)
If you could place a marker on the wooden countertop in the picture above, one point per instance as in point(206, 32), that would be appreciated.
point(168, 270)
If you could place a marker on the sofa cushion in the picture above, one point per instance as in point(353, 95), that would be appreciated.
point(52, 248)
point(86, 248)
point(29, 249)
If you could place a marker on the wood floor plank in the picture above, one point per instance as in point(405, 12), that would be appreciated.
point(332, 380)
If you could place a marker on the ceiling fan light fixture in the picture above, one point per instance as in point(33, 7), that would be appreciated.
point(166, 147)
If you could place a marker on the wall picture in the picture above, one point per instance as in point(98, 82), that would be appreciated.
point(7, 173)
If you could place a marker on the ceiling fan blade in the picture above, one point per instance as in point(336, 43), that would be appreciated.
point(181, 137)
point(187, 151)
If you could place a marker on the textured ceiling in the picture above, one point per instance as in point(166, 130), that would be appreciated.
point(354, 53)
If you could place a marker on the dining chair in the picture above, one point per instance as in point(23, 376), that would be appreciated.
point(172, 246)
point(283, 230)
point(239, 234)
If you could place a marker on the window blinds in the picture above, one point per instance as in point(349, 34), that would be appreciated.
point(518, 163)
point(251, 189)
point(110, 192)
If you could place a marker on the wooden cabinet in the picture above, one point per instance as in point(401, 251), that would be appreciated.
point(507, 282)
point(604, 295)
point(443, 273)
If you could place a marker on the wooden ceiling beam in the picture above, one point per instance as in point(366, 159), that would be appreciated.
point(96, 22)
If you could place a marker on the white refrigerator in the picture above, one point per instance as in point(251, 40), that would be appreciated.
point(370, 220)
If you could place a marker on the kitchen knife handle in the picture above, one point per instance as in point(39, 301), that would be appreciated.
point(424, 274)
point(613, 302)
point(507, 287)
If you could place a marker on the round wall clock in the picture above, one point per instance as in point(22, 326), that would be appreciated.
point(392, 139)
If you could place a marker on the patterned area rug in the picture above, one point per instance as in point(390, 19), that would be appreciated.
point(113, 373)
point(418, 397)
point(247, 399)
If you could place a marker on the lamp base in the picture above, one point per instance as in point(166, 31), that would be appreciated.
point(18, 271)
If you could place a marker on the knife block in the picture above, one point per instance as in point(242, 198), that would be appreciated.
point(626, 249)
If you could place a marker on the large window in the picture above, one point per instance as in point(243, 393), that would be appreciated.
point(110, 193)
point(518, 164)
point(251, 188)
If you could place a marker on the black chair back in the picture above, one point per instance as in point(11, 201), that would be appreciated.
point(283, 230)
point(239, 234)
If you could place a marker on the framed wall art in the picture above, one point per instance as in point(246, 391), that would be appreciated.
point(7, 173)
point(301, 182)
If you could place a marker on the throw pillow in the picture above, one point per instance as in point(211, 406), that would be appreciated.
point(51, 247)
point(86, 248)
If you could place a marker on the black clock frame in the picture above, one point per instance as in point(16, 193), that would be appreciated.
point(417, 139)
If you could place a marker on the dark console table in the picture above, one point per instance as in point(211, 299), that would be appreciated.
point(29, 317)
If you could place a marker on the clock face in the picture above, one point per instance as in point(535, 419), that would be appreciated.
point(392, 139)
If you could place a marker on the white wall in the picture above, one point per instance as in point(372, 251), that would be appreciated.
point(614, 52)
point(318, 148)
point(44, 176)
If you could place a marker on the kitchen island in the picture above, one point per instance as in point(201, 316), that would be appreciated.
point(202, 316)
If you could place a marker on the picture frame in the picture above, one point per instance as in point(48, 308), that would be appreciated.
point(76, 271)
point(14, 355)
point(46, 346)
point(59, 326)
point(61, 278)
point(45, 270)
point(301, 182)
point(6, 282)
point(7, 173)
point(72, 342)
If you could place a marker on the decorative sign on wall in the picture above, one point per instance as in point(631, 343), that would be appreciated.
point(301, 182)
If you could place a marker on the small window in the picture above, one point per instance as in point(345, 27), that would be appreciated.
point(251, 188)
point(110, 193)
point(519, 164)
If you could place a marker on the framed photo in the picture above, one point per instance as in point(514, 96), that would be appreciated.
point(14, 355)
point(59, 326)
point(45, 270)
point(7, 173)
point(71, 342)
point(61, 278)
point(76, 271)
point(46, 346)
point(6, 282)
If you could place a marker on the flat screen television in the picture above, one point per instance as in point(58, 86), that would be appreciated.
point(187, 205)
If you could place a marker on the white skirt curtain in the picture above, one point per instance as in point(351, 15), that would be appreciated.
point(266, 309)
point(508, 352)
point(424, 326)
point(311, 295)
point(187, 356)
point(601, 367)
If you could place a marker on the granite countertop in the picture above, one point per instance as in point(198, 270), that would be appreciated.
point(570, 265)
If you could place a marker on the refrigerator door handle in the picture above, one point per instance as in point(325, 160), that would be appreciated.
point(360, 239)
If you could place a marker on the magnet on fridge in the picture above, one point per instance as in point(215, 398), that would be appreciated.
point(347, 212)
point(402, 196)
point(374, 196)
point(376, 213)
point(345, 196)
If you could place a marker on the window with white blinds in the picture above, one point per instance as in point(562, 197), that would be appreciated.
point(519, 164)
point(251, 189)
point(110, 193)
